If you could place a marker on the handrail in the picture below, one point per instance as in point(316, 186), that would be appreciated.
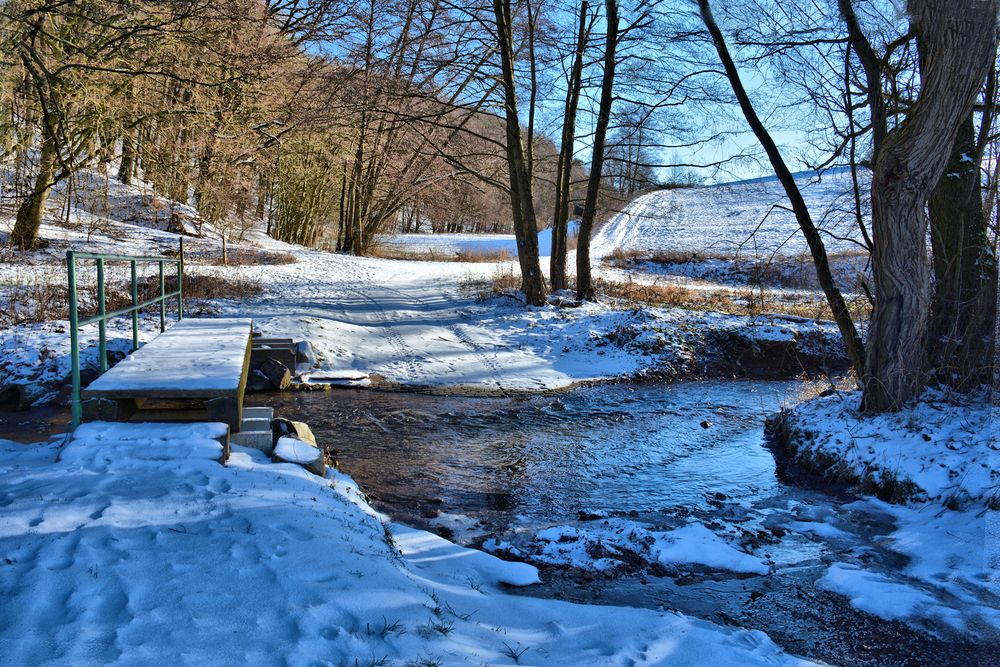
point(102, 316)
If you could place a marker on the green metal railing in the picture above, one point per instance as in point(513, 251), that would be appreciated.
point(102, 316)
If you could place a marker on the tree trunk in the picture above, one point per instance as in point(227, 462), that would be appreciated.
point(838, 306)
point(522, 204)
point(24, 236)
point(564, 168)
point(584, 280)
point(957, 43)
point(963, 308)
point(127, 165)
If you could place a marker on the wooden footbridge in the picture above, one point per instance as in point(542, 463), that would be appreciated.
point(194, 371)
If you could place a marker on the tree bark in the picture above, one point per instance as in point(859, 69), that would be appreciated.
point(521, 201)
point(127, 165)
point(584, 280)
point(838, 306)
point(24, 236)
point(958, 41)
point(564, 168)
point(963, 309)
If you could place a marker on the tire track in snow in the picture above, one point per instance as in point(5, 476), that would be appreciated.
point(491, 366)
point(406, 354)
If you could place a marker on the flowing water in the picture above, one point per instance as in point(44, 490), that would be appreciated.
point(485, 468)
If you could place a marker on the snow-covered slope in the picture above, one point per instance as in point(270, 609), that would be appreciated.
point(752, 217)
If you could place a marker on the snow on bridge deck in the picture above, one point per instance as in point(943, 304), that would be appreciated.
point(195, 357)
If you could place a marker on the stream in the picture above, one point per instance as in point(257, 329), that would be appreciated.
point(496, 473)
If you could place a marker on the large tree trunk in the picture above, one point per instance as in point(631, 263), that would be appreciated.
point(584, 280)
point(963, 309)
point(521, 201)
point(958, 41)
point(838, 306)
point(564, 168)
point(24, 236)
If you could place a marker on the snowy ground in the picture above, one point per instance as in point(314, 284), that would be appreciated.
point(942, 449)
point(938, 458)
point(132, 544)
point(409, 323)
point(749, 218)
point(117, 535)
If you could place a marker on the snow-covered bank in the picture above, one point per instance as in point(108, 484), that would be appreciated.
point(131, 544)
point(942, 449)
point(937, 461)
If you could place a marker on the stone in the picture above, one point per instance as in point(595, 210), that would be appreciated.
point(305, 454)
point(257, 382)
point(281, 428)
point(182, 223)
point(304, 353)
point(277, 373)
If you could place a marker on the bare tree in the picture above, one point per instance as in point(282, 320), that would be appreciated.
point(521, 199)
point(584, 279)
point(564, 171)
point(848, 330)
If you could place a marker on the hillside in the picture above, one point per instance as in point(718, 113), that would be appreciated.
point(746, 217)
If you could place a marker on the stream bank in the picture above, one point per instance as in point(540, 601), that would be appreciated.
point(594, 486)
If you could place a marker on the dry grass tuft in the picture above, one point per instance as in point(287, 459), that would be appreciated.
point(505, 281)
point(386, 251)
point(252, 257)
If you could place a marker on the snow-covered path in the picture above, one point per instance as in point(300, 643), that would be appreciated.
point(410, 323)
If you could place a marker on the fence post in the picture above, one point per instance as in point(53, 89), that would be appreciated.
point(135, 304)
point(180, 283)
point(163, 300)
point(74, 338)
point(102, 329)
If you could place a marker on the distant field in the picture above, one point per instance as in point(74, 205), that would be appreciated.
point(751, 218)
point(734, 217)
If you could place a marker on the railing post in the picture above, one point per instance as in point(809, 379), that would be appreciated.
point(180, 283)
point(163, 300)
point(135, 305)
point(102, 329)
point(74, 338)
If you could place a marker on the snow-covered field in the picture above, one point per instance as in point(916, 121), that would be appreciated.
point(749, 218)
point(133, 545)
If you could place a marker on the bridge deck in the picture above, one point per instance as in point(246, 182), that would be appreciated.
point(195, 359)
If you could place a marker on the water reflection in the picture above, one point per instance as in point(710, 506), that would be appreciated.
point(546, 458)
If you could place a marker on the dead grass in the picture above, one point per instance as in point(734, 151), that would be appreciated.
point(622, 258)
point(795, 272)
point(749, 302)
point(506, 281)
point(29, 302)
point(385, 251)
point(483, 256)
point(251, 257)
